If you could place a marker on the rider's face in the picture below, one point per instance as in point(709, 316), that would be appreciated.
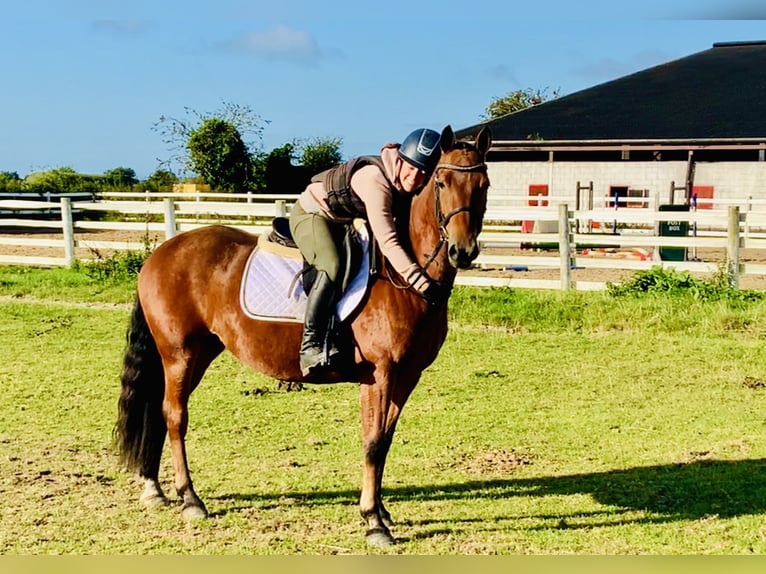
point(411, 178)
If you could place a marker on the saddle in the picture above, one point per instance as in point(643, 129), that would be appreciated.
point(277, 279)
point(281, 235)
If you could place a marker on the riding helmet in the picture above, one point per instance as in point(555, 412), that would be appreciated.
point(421, 149)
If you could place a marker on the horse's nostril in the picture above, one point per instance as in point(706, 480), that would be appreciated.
point(462, 258)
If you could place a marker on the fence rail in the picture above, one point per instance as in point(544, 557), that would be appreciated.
point(567, 239)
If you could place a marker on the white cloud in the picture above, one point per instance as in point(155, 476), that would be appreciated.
point(281, 43)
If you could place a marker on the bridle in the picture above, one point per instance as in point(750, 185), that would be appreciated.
point(441, 219)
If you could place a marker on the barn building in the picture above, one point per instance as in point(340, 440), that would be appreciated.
point(693, 129)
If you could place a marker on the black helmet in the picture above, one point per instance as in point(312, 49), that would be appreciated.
point(421, 149)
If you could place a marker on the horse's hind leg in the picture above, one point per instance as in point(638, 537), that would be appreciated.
point(183, 372)
point(152, 494)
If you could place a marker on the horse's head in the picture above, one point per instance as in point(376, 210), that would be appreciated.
point(460, 186)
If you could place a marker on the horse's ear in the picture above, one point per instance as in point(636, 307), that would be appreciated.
point(447, 139)
point(483, 140)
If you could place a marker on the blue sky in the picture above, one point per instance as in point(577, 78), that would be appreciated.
point(85, 80)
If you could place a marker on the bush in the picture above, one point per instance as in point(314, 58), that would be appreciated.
point(660, 281)
point(120, 266)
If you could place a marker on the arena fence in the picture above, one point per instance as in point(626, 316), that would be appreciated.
point(552, 237)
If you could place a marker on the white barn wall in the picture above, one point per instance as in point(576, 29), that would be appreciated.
point(731, 180)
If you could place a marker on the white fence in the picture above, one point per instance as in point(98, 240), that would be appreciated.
point(167, 214)
point(567, 235)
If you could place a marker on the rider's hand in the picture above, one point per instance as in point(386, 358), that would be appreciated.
point(437, 293)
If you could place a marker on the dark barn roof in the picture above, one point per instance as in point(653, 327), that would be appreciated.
point(718, 93)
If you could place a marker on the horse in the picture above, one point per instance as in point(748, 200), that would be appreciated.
point(187, 311)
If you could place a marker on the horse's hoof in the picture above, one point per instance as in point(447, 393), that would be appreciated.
point(379, 537)
point(193, 512)
point(154, 500)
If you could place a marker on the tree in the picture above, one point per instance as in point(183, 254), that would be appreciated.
point(120, 177)
point(10, 182)
point(217, 147)
point(161, 180)
point(320, 154)
point(517, 100)
point(177, 132)
point(275, 172)
point(63, 179)
point(218, 154)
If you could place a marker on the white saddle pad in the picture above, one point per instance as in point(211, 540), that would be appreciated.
point(272, 284)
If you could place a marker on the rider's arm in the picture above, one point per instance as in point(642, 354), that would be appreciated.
point(372, 188)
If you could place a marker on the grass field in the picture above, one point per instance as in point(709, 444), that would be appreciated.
point(549, 424)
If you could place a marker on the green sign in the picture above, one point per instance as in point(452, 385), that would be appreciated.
point(673, 229)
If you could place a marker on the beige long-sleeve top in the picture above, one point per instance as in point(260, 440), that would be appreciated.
point(371, 187)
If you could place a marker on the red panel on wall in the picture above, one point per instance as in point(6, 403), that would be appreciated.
point(538, 189)
point(528, 225)
point(703, 192)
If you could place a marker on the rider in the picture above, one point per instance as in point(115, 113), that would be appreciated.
point(363, 187)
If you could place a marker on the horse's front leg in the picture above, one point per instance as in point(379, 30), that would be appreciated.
point(382, 400)
point(375, 445)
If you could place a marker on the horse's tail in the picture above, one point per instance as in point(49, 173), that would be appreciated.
point(140, 430)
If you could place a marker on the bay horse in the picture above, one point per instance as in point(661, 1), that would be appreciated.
point(187, 311)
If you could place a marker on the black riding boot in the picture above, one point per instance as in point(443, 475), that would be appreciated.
point(319, 310)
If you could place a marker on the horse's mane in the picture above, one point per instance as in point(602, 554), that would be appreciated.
point(464, 144)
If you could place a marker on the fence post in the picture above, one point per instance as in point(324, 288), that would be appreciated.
point(565, 255)
point(280, 208)
point(170, 217)
point(656, 249)
point(577, 206)
point(732, 250)
point(67, 224)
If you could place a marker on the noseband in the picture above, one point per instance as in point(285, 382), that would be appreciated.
point(441, 219)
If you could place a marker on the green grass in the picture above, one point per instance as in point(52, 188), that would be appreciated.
point(527, 311)
point(62, 284)
point(551, 423)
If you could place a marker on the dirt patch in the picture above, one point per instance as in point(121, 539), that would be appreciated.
point(136, 240)
point(492, 462)
point(754, 383)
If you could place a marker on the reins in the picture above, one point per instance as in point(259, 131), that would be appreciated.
point(441, 219)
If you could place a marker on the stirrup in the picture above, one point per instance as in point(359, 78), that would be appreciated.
point(312, 363)
point(310, 360)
